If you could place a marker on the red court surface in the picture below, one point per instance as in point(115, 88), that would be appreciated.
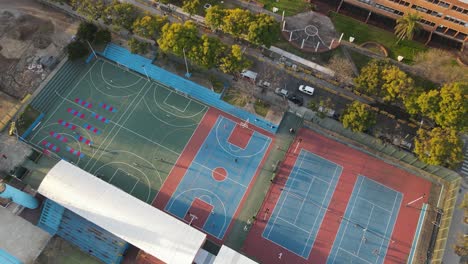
point(354, 163)
point(240, 136)
point(191, 149)
point(201, 210)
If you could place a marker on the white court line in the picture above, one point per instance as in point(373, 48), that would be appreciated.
point(373, 204)
point(167, 113)
point(73, 89)
point(113, 175)
point(363, 232)
point(201, 189)
point(185, 116)
point(320, 209)
point(116, 86)
point(305, 197)
point(347, 222)
point(383, 185)
point(284, 200)
point(388, 223)
point(134, 186)
point(211, 170)
point(339, 248)
point(115, 134)
point(317, 176)
point(175, 107)
point(300, 228)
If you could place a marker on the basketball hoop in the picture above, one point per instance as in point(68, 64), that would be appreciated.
point(244, 124)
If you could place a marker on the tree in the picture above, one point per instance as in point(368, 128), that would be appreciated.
point(103, 36)
point(453, 106)
point(235, 61)
point(396, 83)
point(137, 46)
point(191, 6)
point(370, 79)
point(209, 53)
point(407, 25)
point(149, 26)
point(214, 17)
point(447, 107)
point(86, 31)
point(439, 147)
point(263, 30)
point(358, 117)
point(121, 14)
point(236, 22)
point(92, 9)
point(177, 37)
point(77, 49)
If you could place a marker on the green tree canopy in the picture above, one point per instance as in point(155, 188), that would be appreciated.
point(358, 117)
point(137, 46)
point(370, 79)
point(191, 6)
point(396, 83)
point(77, 49)
point(448, 106)
point(176, 37)
point(263, 30)
point(122, 14)
point(235, 61)
point(86, 31)
point(103, 36)
point(92, 9)
point(236, 22)
point(439, 147)
point(407, 25)
point(214, 17)
point(149, 26)
point(209, 53)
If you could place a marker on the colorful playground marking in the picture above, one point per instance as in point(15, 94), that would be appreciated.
point(75, 152)
point(75, 113)
point(50, 146)
point(100, 118)
point(82, 139)
point(66, 124)
point(83, 103)
point(58, 136)
point(108, 107)
point(92, 129)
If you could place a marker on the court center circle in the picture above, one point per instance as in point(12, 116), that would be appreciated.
point(219, 174)
point(311, 30)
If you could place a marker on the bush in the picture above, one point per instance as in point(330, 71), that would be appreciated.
point(103, 36)
point(77, 49)
point(136, 46)
point(86, 31)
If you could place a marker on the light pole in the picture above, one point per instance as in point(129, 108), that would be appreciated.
point(187, 74)
point(143, 66)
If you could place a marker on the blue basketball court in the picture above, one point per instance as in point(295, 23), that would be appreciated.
point(219, 175)
point(301, 207)
point(364, 233)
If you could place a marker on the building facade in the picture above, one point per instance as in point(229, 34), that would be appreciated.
point(447, 18)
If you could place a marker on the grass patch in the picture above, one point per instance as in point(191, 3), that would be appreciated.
point(291, 7)
point(217, 84)
point(26, 119)
point(236, 98)
point(261, 108)
point(363, 32)
point(359, 59)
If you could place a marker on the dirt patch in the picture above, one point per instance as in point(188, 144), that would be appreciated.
point(29, 32)
point(6, 104)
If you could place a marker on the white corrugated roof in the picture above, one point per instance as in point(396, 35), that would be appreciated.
point(138, 223)
point(227, 255)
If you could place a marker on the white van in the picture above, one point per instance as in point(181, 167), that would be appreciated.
point(306, 89)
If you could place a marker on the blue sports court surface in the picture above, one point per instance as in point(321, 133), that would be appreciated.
point(223, 194)
point(301, 207)
point(365, 230)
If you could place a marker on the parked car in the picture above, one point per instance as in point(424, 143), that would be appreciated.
point(306, 89)
point(297, 99)
point(282, 92)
